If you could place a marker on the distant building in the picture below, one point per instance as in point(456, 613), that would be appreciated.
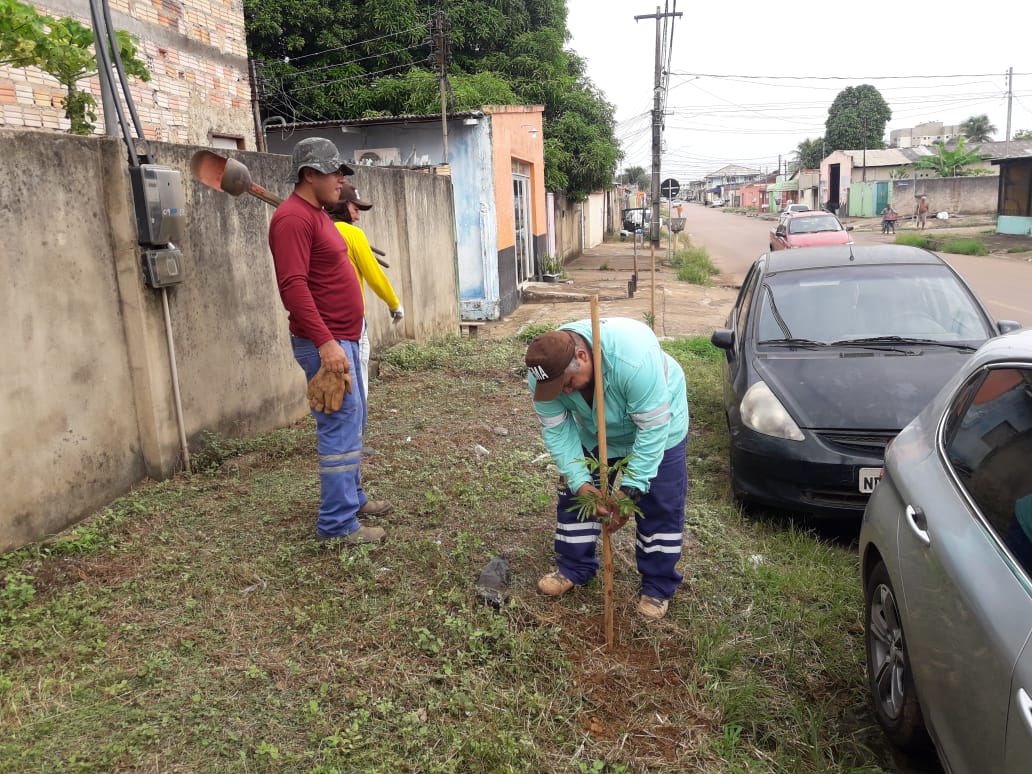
point(724, 183)
point(927, 133)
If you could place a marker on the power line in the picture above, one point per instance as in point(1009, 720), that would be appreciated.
point(352, 45)
point(297, 71)
point(840, 77)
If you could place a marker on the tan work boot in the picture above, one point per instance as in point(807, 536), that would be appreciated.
point(652, 607)
point(365, 534)
point(376, 508)
point(554, 584)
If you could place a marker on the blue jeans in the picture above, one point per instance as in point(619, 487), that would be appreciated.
point(660, 529)
point(340, 445)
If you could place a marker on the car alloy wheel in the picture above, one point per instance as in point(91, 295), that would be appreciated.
point(889, 679)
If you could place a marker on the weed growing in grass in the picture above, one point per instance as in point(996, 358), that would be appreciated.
point(528, 333)
point(914, 239)
point(694, 265)
point(604, 266)
point(956, 245)
point(965, 247)
point(1018, 249)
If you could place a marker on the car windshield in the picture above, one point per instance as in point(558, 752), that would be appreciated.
point(867, 303)
point(811, 224)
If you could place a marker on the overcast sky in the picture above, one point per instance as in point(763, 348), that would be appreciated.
point(751, 80)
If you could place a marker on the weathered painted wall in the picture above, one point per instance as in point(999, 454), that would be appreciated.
point(86, 405)
point(475, 216)
point(569, 227)
point(196, 52)
point(976, 194)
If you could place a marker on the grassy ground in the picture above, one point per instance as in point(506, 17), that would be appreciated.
point(196, 625)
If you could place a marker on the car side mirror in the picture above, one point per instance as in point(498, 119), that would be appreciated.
point(849, 228)
point(1006, 326)
point(723, 338)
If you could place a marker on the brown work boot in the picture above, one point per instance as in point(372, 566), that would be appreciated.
point(554, 584)
point(376, 508)
point(365, 534)
point(652, 608)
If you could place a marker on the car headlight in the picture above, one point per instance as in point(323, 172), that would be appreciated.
point(763, 412)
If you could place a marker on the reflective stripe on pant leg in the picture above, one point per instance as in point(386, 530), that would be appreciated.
point(660, 530)
point(363, 350)
point(574, 539)
point(340, 445)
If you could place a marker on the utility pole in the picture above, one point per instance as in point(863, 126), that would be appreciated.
point(259, 131)
point(1010, 97)
point(657, 141)
point(440, 57)
point(657, 118)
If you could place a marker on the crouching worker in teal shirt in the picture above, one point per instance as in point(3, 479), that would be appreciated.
point(646, 414)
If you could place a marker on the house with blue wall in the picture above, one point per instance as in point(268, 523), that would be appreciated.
point(495, 159)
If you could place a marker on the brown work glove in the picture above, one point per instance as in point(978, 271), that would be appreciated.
point(326, 390)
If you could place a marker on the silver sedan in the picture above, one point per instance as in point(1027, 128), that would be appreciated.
point(946, 556)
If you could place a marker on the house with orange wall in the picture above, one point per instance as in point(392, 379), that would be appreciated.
point(495, 158)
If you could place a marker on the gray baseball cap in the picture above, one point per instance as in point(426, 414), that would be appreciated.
point(320, 154)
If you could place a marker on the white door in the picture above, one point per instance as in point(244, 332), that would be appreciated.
point(522, 223)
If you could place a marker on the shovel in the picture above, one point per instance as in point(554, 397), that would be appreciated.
point(233, 177)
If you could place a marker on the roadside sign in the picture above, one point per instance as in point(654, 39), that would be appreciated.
point(670, 188)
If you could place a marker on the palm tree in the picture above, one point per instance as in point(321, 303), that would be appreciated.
point(978, 128)
point(952, 162)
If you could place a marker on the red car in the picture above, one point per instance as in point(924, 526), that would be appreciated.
point(808, 229)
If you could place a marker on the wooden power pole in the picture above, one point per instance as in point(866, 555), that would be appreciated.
point(657, 141)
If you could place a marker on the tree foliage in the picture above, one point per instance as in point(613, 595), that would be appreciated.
point(340, 59)
point(953, 162)
point(856, 119)
point(61, 47)
point(809, 153)
point(978, 128)
point(1023, 134)
point(636, 176)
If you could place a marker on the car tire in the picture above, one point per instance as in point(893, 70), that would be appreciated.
point(890, 681)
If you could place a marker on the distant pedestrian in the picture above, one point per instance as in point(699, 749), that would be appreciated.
point(921, 211)
point(888, 220)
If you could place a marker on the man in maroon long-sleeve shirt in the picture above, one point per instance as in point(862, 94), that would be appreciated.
point(323, 298)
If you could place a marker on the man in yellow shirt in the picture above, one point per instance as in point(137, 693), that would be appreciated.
point(346, 213)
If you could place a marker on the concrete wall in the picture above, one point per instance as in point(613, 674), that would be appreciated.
point(569, 241)
point(957, 195)
point(196, 52)
point(86, 405)
point(475, 215)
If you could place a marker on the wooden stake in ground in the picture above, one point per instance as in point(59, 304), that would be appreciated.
point(603, 473)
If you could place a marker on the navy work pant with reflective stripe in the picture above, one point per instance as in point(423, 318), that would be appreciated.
point(340, 445)
point(660, 530)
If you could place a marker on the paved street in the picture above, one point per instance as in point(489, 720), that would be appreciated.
point(735, 241)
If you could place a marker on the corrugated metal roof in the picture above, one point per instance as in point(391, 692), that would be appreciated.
point(379, 120)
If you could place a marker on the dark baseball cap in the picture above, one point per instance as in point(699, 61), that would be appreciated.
point(348, 193)
point(320, 154)
point(547, 359)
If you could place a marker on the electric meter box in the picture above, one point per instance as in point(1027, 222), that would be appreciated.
point(160, 204)
point(162, 268)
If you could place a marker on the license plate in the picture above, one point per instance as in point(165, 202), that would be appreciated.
point(869, 478)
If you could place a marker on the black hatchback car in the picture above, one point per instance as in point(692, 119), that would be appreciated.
point(830, 351)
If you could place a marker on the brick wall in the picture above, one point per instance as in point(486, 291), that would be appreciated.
point(196, 52)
